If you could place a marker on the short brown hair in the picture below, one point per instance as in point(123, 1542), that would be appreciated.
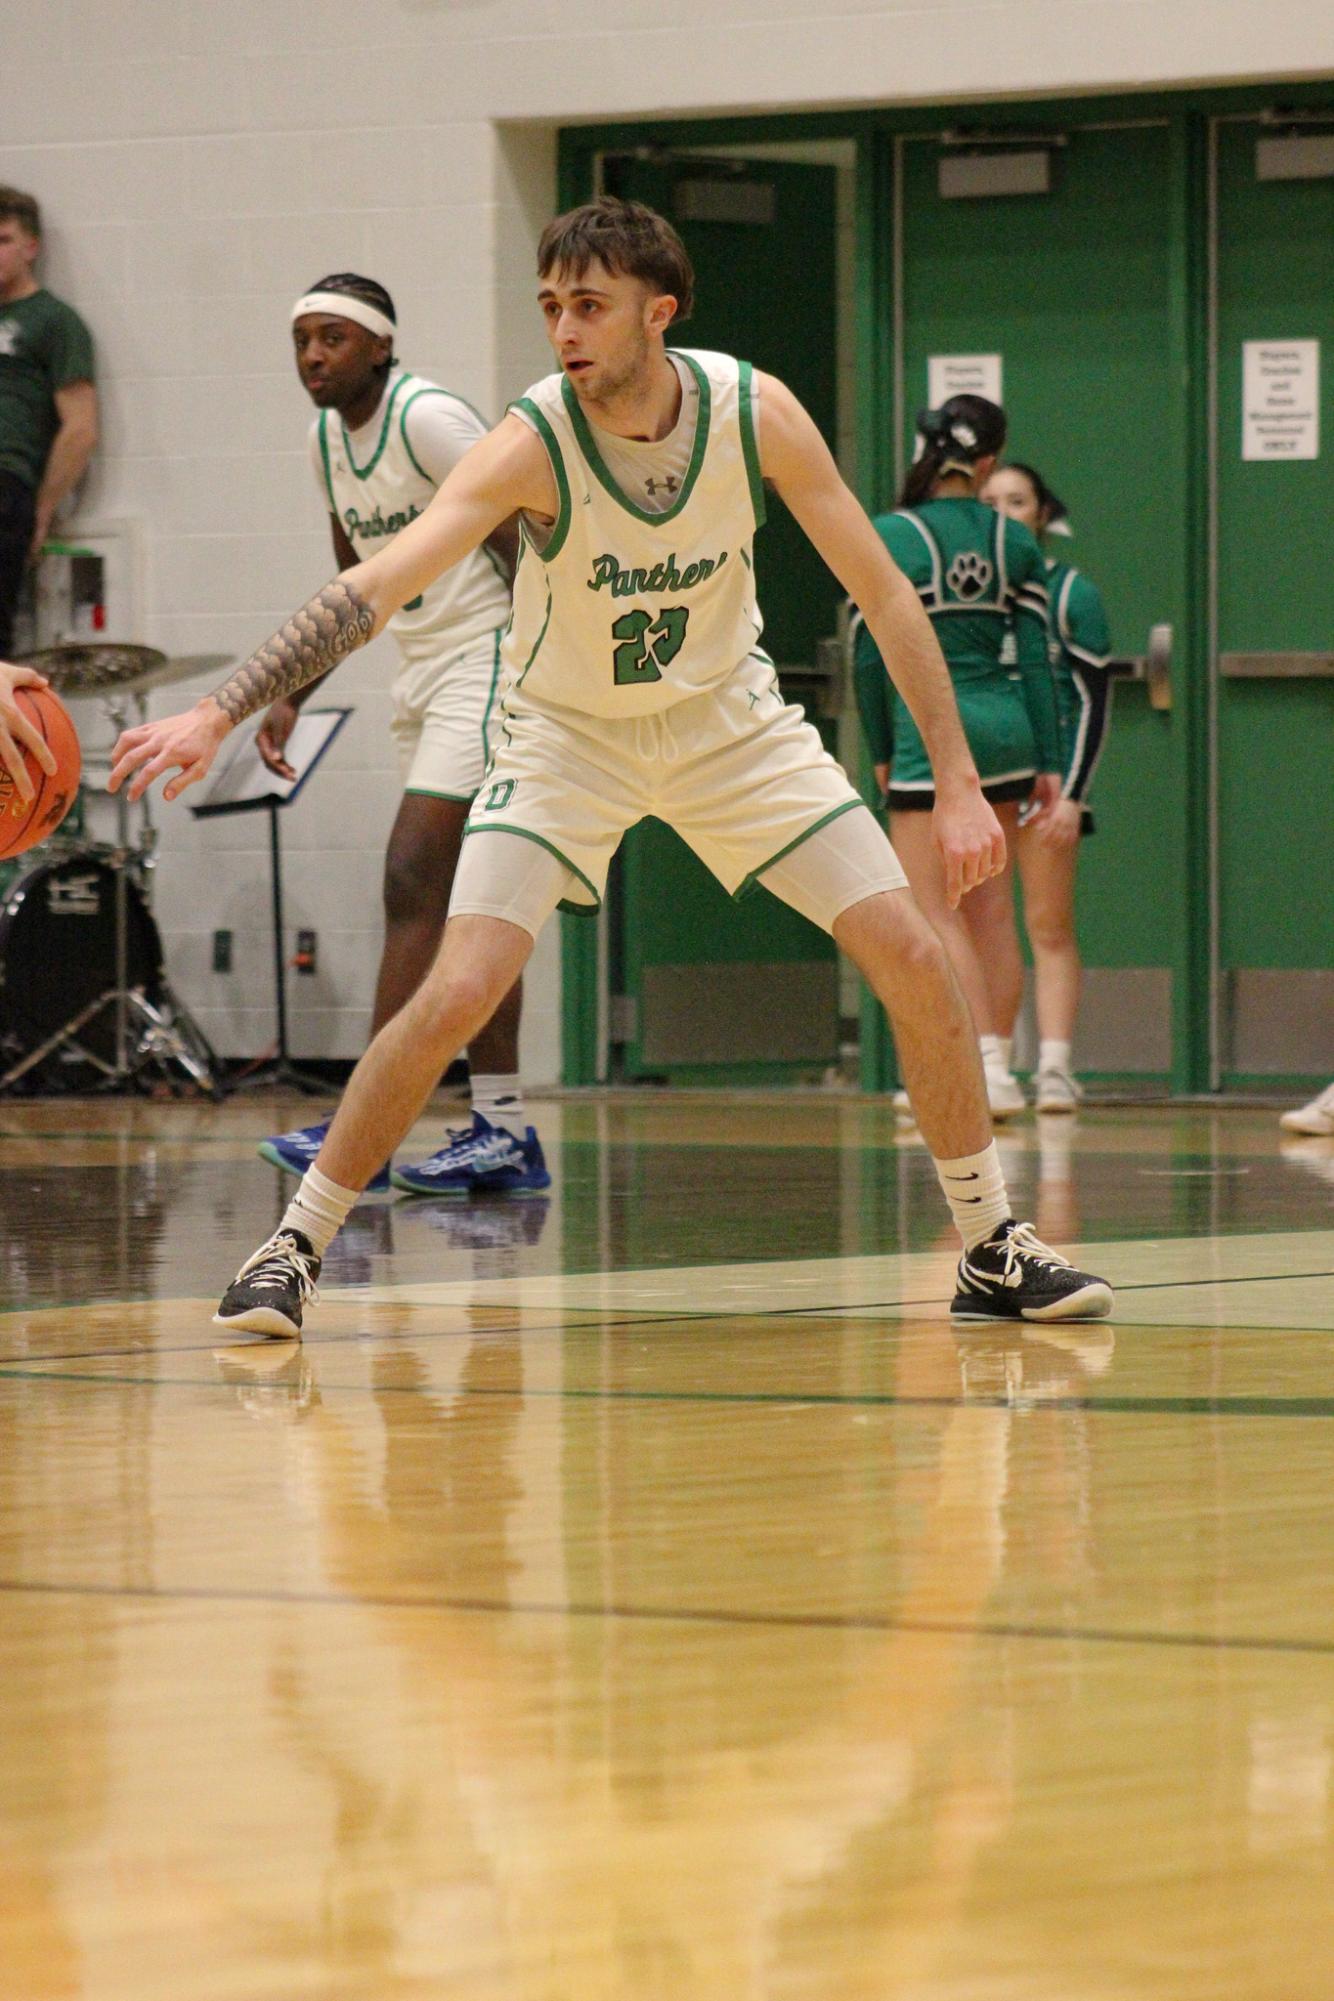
point(629, 239)
point(15, 206)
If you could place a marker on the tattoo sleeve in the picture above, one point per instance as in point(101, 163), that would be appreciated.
point(333, 623)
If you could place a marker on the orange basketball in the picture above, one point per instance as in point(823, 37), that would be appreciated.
point(23, 823)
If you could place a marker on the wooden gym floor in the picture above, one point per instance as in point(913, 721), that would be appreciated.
point(643, 1594)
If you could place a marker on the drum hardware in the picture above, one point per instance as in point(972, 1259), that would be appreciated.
point(151, 1030)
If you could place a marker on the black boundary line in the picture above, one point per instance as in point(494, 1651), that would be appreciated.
point(631, 1319)
point(866, 1622)
point(1116, 1406)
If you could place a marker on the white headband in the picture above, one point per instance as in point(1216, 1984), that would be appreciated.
point(347, 308)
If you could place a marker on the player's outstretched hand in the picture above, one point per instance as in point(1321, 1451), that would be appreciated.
point(970, 841)
point(187, 743)
point(18, 732)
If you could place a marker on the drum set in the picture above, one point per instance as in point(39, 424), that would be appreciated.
point(85, 1004)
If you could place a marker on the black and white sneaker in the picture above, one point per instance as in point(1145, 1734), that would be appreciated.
point(269, 1291)
point(1013, 1275)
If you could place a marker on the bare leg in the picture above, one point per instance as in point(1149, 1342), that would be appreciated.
point(479, 960)
point(988, 915)
point(982, 943)
point(420, 861)
point(1048, 875)
point(907, 966)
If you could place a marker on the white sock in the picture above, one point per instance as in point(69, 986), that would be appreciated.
point(975, 1190)
point(499, 1099)
point(1054, 1056)
point(997, 1051)
point(319, 1209)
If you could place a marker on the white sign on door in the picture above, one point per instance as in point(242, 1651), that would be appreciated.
point(962, 375)
point(1280, 399)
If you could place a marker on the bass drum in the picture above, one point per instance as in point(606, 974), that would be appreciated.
point(58, 955)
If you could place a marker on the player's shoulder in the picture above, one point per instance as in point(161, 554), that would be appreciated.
point(421, 399)
point(1081, 606)
point(1023, 557)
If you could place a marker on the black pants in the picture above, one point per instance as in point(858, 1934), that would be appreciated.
point(18, 512)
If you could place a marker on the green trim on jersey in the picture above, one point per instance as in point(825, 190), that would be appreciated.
point(525, 834)
point(561, 528)
point(537, 644)
point(432, 389)
point(583, 432)
point(425, 792)
point(364, 472)
point(744, 888)
point(749, 443)
point(328, 470)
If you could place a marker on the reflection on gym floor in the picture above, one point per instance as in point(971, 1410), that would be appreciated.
point(644, 1591)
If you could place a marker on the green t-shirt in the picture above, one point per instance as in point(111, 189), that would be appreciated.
point(44, 346)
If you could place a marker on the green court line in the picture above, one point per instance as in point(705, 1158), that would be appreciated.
point(1123, 1406)
point(857, 1622)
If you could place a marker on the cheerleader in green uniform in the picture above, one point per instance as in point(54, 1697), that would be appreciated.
point(1048, 849)
point(981, 576)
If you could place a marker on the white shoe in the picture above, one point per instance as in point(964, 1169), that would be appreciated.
point(1317, 1118)
point(902, 1104)
point(1057, 1092)
point(1004, 1093)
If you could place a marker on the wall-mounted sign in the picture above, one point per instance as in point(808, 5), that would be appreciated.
point(962, 374)
point(1280, 399)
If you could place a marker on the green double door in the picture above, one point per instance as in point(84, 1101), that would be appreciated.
point(704, 988)
point(1064, 302)
point(1116, 307)
point(1274, 686)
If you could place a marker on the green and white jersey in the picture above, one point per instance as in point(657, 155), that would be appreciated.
point(1081, 646)
point(381, 477)
point(982, 581)
point(623, 611)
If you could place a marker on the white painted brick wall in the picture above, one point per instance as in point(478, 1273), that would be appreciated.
point(199, 165)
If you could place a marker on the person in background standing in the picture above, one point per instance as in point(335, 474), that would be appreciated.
point(48, 402)
point(982, 583)
point(1047, 849)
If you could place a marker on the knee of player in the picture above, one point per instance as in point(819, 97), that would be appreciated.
point(417, 879)
point(1048, 930)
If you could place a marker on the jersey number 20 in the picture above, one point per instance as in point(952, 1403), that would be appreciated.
point(636, 659)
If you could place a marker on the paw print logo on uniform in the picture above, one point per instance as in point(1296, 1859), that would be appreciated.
point(969, 575)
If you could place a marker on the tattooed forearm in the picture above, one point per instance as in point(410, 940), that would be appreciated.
point(315, 639)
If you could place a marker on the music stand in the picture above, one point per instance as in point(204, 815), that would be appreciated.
point(243, 783)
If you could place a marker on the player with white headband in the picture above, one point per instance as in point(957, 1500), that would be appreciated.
point(382, 444)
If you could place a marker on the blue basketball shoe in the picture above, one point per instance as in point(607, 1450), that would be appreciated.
point(296, 1151)
point(481, 1160)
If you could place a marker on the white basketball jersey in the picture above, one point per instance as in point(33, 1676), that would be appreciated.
point(623, 612)
point(375, 498)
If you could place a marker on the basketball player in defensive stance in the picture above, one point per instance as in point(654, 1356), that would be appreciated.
point(636, 685)
point(384, 442)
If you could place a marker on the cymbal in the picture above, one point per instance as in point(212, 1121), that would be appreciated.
point(88, 668)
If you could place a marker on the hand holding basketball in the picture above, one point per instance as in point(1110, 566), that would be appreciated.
point(18, 731)
point(189, 742)
point(40, 760)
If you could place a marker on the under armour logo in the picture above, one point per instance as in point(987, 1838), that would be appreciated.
point(969, 575)
point(9, 337)
point(656, 486)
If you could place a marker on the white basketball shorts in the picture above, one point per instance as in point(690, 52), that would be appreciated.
point(738, 772)
point(445, 713)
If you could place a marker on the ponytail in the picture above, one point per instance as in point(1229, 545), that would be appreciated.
point(963, 430)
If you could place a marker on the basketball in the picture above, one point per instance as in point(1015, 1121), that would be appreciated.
point(23, 823)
